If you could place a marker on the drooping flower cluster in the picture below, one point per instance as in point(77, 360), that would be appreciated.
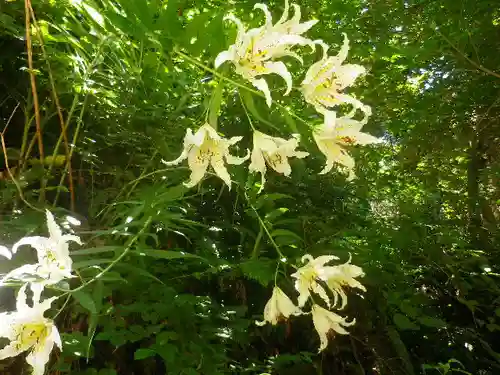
point(26, 328)
point(316, 278)
point(257, 52)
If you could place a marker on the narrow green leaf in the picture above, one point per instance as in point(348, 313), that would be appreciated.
point(401, 349)
point(98, 294)
point(85, 300)
point(171, 18)
point(290, 122)
point(215, 103)
point(164, 254)
point(143, 353)
point(250, 106)
point(139, 271)
point(429, 321)
point(90, 263)
point(403, 323)
point(96, 250)
point(285, 233)
point(263, 199)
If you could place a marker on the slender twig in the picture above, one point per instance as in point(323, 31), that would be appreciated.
point(59, 112)
point(27, 6)
point(472, 62)
point(75, 138)
point(18, 187)
point(11, 175)
point(10, 118)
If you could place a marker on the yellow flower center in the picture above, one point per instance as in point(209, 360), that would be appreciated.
point(207, 150)
point(31, 334)
point(50, 256)
point(309, 274)
point(347, 140)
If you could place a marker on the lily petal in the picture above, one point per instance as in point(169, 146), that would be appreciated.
point(37, 242)
point(22, 272)
point(198, 169)
point(285, 14)
point(267, 13)
point(221, 170)
point(5, 252)
point(236, 160)
point(9, 351)
point(261, 85)
point(258, 164)
point(54, 229)
point(39, 356)
point(21, 299)
point(223, 57)
point(72, 238)
point(280, 68)
point(189, 140)
point(324, 321)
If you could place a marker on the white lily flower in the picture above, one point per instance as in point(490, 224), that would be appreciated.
point(273, 151)
point(307, 277)
point(29, 331)
point(325, 321)
point(255, 50)
point(54, 262)
point(5, 252)
point(205, 148)
point(341, 276)
point(325, 80)
point(278, 306)
point(334, 135)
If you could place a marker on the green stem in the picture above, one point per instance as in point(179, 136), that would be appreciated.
point(246, 112)
point(264, 227)
point(120, 257)
point(62, 307)
point(214, 105)
point(255, 251)
point(276, 272)
point(143, 176)
point(237, 84)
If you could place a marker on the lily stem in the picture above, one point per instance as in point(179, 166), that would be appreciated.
point(246, 112)
point(237, 84)
point(255, 251)
point(264, 227)
point(120, 257)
